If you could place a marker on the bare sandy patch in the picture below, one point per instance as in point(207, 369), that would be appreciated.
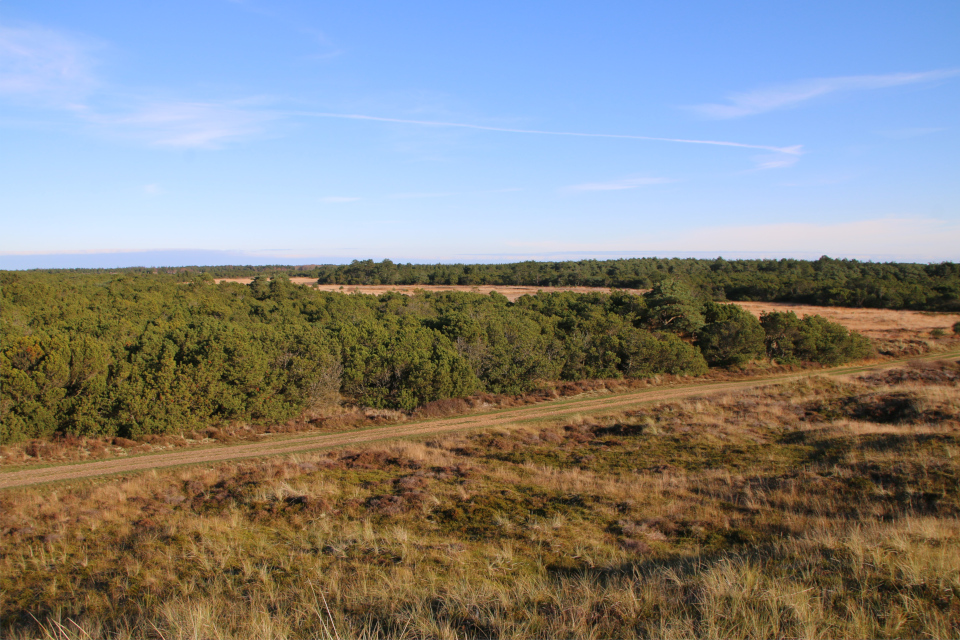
point(511, 292)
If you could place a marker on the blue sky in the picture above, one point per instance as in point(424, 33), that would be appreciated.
point(294, 132)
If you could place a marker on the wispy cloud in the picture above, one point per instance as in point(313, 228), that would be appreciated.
point(54, 70)
point(792, 150)
point(618, 185)
point(774, 161)
point(339, 199)
point(184, 124)
point(43, 65)
point(152, 189)
point(788, 95)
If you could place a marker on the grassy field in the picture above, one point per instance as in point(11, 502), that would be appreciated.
point(894, 332)
point(819, 508)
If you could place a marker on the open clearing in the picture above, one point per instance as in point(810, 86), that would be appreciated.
point(874, 323)
point(511, 292)
point(552, 410)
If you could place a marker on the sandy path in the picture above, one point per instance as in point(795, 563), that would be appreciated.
point(542, 411)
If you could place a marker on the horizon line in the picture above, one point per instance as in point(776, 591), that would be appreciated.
point(127, 259)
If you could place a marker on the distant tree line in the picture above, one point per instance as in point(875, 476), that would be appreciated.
point(140, 352)
point(824, 282)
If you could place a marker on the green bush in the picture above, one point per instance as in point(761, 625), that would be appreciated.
point(671, 306)
point(731, 335)
point(643, 354)
point(812, 339)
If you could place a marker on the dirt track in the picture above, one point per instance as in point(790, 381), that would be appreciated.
point(556, 409)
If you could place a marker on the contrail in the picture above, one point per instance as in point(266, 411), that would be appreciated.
point(794, 150)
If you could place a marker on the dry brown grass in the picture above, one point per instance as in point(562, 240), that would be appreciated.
point(511, 292)
point(884, 324)
point(775, 512)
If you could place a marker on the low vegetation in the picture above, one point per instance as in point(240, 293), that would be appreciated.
point(132, 354)
point(821, 508)
point(823, 282)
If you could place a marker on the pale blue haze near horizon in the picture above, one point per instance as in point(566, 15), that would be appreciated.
point(291, 132)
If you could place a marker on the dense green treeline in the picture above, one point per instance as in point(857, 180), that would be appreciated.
point(137, 352)
point(825, 282)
